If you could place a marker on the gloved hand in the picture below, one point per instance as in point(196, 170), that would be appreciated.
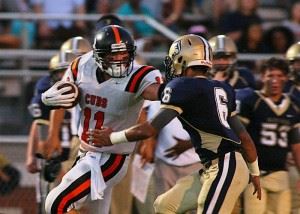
point(51, 169)
point(59, 96)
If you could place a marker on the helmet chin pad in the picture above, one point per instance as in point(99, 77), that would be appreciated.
point(115, 69)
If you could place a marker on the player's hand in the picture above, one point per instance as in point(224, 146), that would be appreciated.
point(31, 165)
point(100, 137)
point(180, 147)
point(51, 147)
point(147, 152)
point(257, 189)
point(4, 177)
point(56, 97)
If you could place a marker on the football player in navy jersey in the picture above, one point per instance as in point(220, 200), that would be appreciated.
point(225, 64)
point(206, 109)
point(292, 87)
point(293, 57)
point(272, 120)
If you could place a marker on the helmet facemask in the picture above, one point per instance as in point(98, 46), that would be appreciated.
point(170, 71)
point(294, 66)
point(227, 68)
point(224, 49)
point(116, 64)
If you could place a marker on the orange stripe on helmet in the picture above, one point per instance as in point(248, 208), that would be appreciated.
point(117, 34)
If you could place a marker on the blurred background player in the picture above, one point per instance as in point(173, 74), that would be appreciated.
point(293, 57)
point(225, 63)
point(225, 68)
point(293, 88)
point(272, 120)
point(35, 159)
point(9, 176)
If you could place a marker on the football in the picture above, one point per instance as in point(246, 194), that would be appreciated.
point(74, 89)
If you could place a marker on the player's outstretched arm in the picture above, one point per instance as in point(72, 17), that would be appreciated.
point(31, 163)
point(52, 144)
point(106, 136)
point(249, 152)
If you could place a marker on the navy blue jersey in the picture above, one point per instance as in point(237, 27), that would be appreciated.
point(268, 123)
point(37, 108)
point(292, 89)
point(205, 106)
point(242, 78)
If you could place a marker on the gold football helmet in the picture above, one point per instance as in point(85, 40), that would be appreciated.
point(186, 51)
point(77, 45)
point(59, 63)
point(223, 45)
point(293, 57)
point(293, 52)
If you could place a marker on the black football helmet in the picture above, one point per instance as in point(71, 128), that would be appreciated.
point(108, 19)
point(114, 50)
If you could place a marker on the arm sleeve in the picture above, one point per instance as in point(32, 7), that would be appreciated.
point(176, 95)
point(294, 135)
point(151, 78)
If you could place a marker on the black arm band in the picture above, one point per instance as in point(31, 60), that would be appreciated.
point(294, 135)
point(163, 117)
point(160, 90)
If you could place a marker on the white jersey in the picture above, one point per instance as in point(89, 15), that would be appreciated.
point(75, 119)
point(166, 139)
point(112, 103)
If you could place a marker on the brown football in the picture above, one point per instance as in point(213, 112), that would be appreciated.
point(74, 89)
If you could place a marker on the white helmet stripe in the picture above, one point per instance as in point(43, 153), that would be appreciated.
point(206, 45)
point(221, 42)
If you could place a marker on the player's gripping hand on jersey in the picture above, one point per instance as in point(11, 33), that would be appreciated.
point(99, 137)
point(58, 95)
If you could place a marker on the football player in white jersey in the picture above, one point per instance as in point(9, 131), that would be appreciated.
point(112, 89)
